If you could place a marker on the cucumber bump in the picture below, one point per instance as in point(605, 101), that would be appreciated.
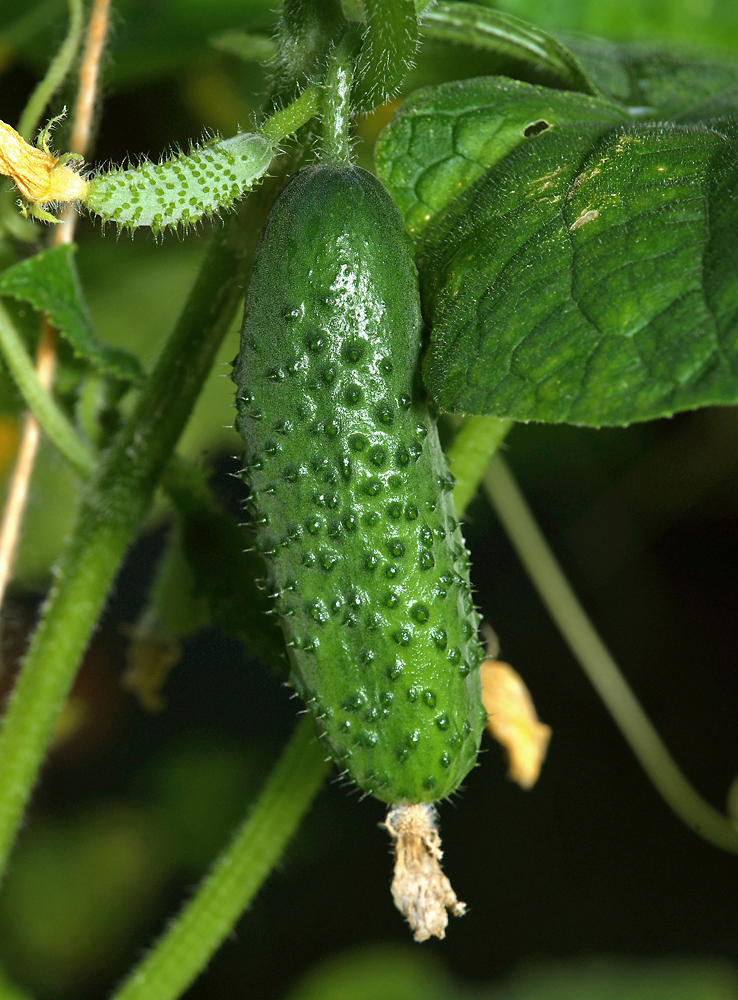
point(350, 493)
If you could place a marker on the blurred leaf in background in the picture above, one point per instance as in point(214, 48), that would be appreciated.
point(693, 22)
point(396, 973)
point(150, 40)
point(135, 289)
point(81, 883)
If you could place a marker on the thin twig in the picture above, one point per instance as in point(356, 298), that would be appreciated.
point(18, 488)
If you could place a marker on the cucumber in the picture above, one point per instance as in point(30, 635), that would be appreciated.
point(350, 493)
point(183, 189)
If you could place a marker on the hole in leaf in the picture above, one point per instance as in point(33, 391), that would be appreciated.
point(535, 128)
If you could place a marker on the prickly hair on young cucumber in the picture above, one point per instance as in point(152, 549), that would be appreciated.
point(350, 492)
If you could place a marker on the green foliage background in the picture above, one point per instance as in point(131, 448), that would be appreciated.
point(585, 888)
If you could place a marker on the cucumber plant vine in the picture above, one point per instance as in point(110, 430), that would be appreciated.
point(571, 244)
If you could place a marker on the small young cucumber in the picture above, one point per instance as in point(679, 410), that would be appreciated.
point(183, 189)
point(350, 492)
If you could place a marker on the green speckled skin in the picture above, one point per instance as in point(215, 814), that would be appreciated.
point(181, 190)
point(350, 491)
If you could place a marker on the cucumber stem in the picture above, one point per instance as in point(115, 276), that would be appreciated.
point(595, 659)
point(335, 105)
point(207, 919)
point(470, 453)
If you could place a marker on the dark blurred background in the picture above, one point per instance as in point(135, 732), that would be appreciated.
point(585, 887)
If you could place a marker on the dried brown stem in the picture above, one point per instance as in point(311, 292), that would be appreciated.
point(89, 76)
point(82, 123)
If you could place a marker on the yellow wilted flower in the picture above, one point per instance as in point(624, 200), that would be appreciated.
point(512, 721)
point(41, 178)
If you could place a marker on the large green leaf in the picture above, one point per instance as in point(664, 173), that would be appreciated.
point(589, 277)
point(650, 81)
point(574, 267)
point(445, 138)
point(49, 282)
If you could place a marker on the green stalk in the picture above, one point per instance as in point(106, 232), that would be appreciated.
point(470, 453)
point(113, 503)
point(42, 404)
point(208, 918)
point(283, 123)
point(55, 74)
point(336, 104)
point(595, 659)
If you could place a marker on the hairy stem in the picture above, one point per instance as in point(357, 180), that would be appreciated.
point(113, 504)
point(335, 109)
point(283, 123)
point(594, 658)
point(208, 918)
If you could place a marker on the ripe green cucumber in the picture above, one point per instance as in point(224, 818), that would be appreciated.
point(350, 492)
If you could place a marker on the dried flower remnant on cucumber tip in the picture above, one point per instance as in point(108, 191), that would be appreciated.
point(420, 890)
point(41, 178)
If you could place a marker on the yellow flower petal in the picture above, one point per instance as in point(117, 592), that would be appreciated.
point(512, 721)
point(38, 175)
